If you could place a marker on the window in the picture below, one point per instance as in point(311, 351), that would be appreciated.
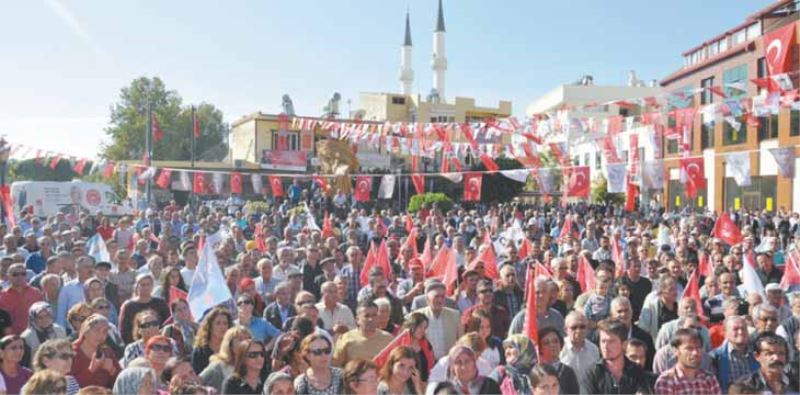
point(731, 136)
point(706, 136)
point(398, 100)
point(598, 161)
point(625, 156)
point(706, 96)
point(576, 161)
point(587, 159)
point(681, 98)
point(734, 75)
point(713, 49)
point(768, 127)
point(739, 37)
point(794, 123)
point(761, 71)
point(290, 139)
point(672, 146)
point(753, 30)
point(624, 112)
point(723, 44)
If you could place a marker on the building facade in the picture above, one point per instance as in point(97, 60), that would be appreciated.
point(735, 57)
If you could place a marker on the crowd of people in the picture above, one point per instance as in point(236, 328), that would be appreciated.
point(307, 316)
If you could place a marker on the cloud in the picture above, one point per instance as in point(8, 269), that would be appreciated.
point(71, 21)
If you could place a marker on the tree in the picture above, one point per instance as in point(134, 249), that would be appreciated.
point(600, 192)
point(40, 170)
point(128, 125)
point(496, 187)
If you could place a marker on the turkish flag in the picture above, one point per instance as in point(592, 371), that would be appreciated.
point(585, 275)
point(489, 260)
point(427, 255)
point(444, 267)
point(777, 45)
point(158, 134)
point(566, 228)
point(630, 196)
point(404, 339)
point(363, 188)
point(525, 249)
point(164, 179)
point(578, 181)
point(277, 186)
point(692, 175)
point(79, 166)
point(327, 226)
point(199, 183)
point(323, 184)
point(419, 183)
point(472, 187)
point(726, 230)
point(791, 273)
point(411, 243)
point(531, 328)
point(236, 182)
point(108, 170)
point(693, 292)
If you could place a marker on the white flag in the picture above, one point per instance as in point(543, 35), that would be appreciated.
point(186, 182)
point(453, 177)
point(784, 156)
point(147, 174)
point(387, 186)
point(518, 175)
point(217, 181)
point(737, 165)
point(545, 180)
point(751, 283)
point(653, 174)
point(258, 187)
point(616, 177)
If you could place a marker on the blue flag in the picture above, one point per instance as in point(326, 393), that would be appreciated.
point(208, 288)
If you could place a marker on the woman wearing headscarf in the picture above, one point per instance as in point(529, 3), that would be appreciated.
point(182, 329)
point(41, 328)
point(520, 355)
point(463, 373)
point(138, 380)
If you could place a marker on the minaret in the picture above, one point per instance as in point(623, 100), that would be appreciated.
point(439, 59)
point(406, 70)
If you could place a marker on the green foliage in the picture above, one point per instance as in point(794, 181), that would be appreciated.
point(600, 193)
point(442, 200)
point(254, 206)
point(497, 187)
point(31, 170)
point(128, 125)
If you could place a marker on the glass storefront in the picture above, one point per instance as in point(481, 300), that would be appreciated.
point(761, 194)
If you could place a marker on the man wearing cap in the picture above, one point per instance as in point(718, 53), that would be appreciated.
point(73, 292)
point(775, 298)
point(500, 317)
point(444, 326)
point(413, 286)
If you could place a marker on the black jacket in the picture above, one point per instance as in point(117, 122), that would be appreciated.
point(599, 380)
point(756, 382)
point(273, 314)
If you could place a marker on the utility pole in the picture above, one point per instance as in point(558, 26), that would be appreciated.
point(148, 148)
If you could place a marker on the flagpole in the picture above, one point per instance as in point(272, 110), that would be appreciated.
point(148, 147)
point(191, 133)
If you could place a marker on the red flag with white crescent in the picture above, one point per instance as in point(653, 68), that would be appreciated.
point(196, 126)
point(578, 181)
point(164, 178)
point(199, 183)
point(236, 182)
point(158, 134)
point(693, 175)
point(726, 230)
point(585, 275)
point(472, 187)
point(276, 185)
point(777, 45)
point(363, 188)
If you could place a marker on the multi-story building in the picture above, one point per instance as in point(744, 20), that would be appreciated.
point(734, 58)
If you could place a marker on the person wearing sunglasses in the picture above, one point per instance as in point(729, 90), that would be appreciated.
point(145, 326)
point(157, 351)
point(261, 329)
point(320, 378)
point(248, 361)
point(57, 355)
point(18, 298)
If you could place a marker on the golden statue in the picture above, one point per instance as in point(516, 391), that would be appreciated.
point(336, 157)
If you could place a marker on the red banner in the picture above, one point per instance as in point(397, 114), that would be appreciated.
point(164, 178)
point(236, 182)
point(8, 206)
point(277, 186)
point(577, 181)
point(199, 184)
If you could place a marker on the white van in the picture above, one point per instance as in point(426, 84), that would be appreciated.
point(71, 197)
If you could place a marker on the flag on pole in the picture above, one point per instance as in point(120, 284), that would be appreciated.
point(531, 329)
point(208, 287)
point(196, 125)
point(369, 262)
point(585, 275)
point(404, 339)
point(751, 283)
point(692, 291)
point(726, 230)
point(158, 134)
point(96, 248)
